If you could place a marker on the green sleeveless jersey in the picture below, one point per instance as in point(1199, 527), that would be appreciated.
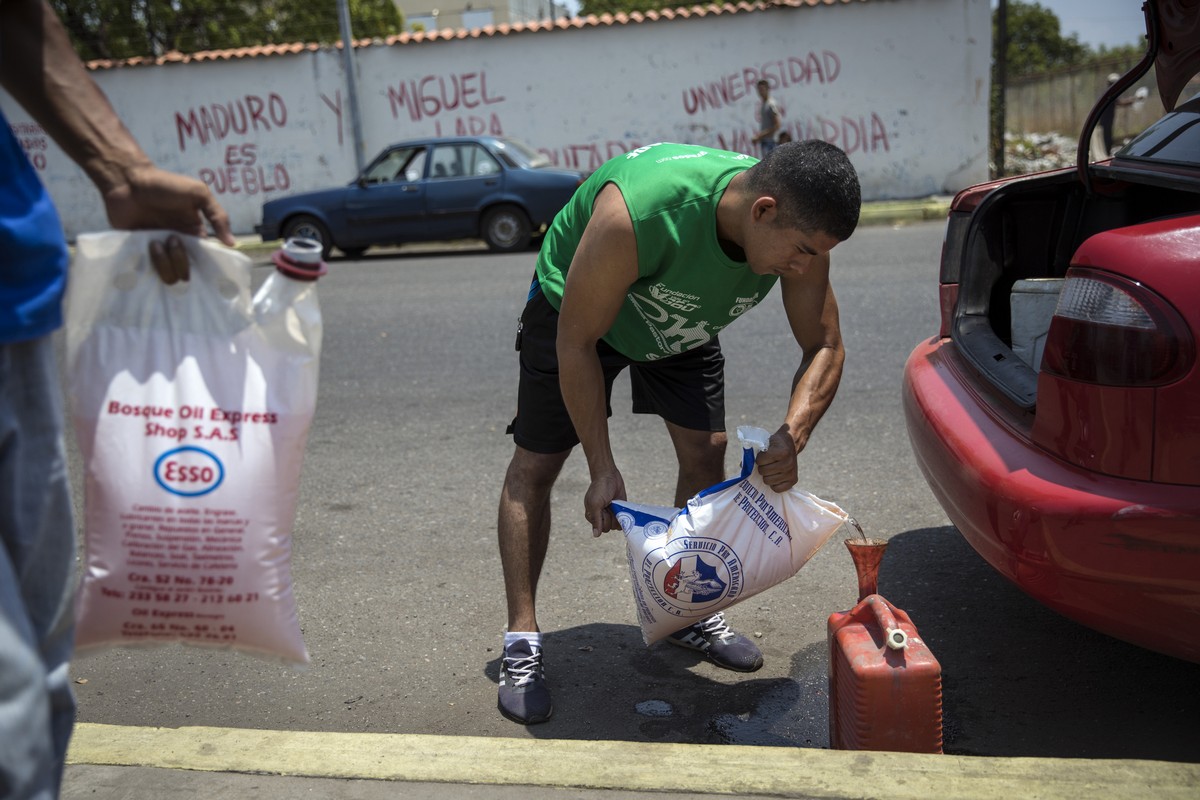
point(688, 289)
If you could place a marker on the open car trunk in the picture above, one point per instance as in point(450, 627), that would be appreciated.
point(1017, 250)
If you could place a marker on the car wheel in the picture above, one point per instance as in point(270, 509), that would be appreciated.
point(506, 229)
point(306, 227)
point(353, 252)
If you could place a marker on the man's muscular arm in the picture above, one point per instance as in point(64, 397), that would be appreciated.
point(604, 267)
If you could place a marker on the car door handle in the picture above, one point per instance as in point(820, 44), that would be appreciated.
point(409, 188)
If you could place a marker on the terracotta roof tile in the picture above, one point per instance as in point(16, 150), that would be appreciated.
point(447, 34)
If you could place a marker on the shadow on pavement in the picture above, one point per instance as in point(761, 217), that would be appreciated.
point(608, 685)
point(1018, 679)
point(1021, 680)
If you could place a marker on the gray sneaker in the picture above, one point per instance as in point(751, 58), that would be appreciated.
point(524, 696)
point(722, 646)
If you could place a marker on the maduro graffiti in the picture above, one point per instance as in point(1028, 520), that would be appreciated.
point(242, 174)
point(737, 86)
point(216, 121)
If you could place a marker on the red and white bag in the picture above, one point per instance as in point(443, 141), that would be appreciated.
point(191, 405)
point(730, 542)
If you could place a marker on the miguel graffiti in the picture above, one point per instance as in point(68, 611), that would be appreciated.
point(241, 171)
point(433, 95)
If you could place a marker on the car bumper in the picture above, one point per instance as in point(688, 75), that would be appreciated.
point(269, 233)
point(1119, 556)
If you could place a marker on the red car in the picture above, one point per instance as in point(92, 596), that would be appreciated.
point(1056, 414)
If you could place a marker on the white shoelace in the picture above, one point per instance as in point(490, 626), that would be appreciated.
point(523, 670)
point(716, 626)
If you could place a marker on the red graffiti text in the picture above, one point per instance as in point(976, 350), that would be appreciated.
point(736, 86)
point(471, 126)
point(33, 141)
point(434, 94)
point(242, 174)
point(249, 114)
point(587, 157)
point(863, 134)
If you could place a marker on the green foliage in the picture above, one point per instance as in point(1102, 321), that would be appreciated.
point(1035, 43)
point(599, 7)
point(116, 29)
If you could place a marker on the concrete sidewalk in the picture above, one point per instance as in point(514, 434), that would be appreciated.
point(108, 762)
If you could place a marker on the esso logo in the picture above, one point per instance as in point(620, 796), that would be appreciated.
point(188, 471)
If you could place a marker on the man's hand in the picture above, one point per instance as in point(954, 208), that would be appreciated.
point(777, 464)
point(154, 198)
point(605, 488)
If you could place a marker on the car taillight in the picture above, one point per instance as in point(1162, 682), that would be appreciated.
point(1113, 331)
point(957, 225)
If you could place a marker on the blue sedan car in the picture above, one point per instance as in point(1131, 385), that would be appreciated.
point(485, 187)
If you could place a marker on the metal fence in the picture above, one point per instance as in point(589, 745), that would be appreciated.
point(1059, 102)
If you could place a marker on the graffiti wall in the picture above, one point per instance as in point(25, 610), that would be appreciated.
point(900, 86)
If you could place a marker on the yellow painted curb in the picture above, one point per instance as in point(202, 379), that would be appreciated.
point(629, 766)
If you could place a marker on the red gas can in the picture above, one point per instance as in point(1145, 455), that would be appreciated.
point(885, 686)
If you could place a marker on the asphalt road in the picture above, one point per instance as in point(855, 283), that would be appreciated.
point(398, 583)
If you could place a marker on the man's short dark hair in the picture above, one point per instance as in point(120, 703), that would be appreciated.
point(814, 184)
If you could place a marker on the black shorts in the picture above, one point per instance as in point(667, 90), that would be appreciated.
point(687, 390)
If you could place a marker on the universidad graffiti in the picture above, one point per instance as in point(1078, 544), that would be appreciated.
point(779, 74)
point(241, 171)
point(864, 132)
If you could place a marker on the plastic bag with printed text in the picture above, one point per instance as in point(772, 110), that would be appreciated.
point(191, 404)
point(732, 541)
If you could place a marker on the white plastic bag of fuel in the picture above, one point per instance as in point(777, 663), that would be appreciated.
point(191, 405)
point(730, 542)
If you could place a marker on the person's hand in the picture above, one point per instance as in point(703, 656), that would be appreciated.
point(152, 198)
point(605, 488)
point(777, 463)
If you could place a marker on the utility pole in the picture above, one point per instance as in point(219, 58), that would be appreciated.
point(351, 83)
point(1000, 86)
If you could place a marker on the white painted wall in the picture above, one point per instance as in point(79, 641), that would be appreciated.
point(901, 86)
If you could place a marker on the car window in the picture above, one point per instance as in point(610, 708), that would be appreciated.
point(1173, 139)
point(406, 163)
point(458, 160)
point(517, 153)
point(415, 169)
